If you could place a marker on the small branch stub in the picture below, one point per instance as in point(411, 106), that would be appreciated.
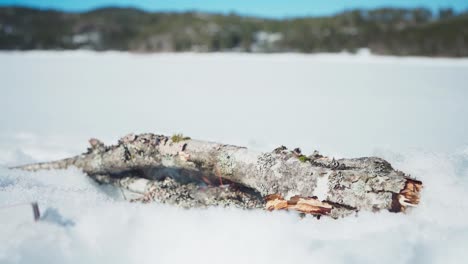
point(36, 212)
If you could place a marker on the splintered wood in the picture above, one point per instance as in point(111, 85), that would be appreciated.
point(306, 205)
point(408, 197)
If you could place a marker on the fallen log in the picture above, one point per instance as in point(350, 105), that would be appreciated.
point(205, 173)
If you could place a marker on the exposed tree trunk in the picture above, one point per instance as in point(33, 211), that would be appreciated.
point(281, 179)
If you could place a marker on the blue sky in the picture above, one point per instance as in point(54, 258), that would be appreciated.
point(267, 8)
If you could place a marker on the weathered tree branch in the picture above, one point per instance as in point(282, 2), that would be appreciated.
point(281, 179)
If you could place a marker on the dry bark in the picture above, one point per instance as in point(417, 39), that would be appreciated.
point(281, 179)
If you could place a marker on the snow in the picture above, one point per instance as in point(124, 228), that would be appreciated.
point(411, 111)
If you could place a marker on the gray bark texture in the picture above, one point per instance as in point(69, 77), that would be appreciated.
point(193, 173)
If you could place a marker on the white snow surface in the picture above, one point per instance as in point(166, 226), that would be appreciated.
point(411, 111)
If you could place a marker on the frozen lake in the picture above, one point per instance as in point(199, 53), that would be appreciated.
point(411, 111)
point(338, 104)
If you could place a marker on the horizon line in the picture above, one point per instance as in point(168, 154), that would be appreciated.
point(225, 12)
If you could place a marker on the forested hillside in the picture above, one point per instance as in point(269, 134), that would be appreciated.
point(383, 31)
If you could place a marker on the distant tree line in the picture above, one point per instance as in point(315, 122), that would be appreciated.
point(383, 31)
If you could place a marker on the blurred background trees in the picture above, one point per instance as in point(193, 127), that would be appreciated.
point(383, 31)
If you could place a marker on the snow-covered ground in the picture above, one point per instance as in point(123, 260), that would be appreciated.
point(411, 111)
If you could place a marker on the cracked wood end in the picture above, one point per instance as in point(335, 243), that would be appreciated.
point(409, 196)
